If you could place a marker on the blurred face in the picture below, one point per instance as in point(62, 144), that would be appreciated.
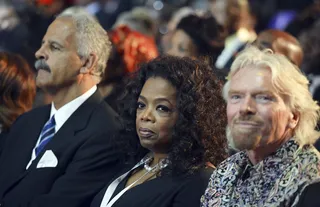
point(281, 43)
point(181, 45)
point(156, 114)
point(58, 62)
point(257, 114)
point(8, 19)
point(218, 9)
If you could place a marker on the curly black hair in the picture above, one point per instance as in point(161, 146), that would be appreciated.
point(209, 36)
point(199, 134)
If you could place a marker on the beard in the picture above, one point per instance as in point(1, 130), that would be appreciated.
point(240, 138)
point(243, 141)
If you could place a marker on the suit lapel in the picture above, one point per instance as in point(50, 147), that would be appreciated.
point(75, 123)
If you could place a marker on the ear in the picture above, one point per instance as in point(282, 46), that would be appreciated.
point(89, 64)
point(293, 120)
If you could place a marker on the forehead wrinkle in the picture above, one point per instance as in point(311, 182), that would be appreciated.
point(261, 76)
point(62, 31)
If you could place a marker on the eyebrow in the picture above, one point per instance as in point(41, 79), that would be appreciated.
point(53, 42)
point(157, 99)
point(255, 92)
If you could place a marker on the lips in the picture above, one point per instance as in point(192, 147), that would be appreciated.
point(248, 124)
point(145, 133)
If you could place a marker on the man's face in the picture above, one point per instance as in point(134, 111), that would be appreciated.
point(58, 62)
point(257, 113)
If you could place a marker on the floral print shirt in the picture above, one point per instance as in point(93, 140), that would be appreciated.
point(277, 180)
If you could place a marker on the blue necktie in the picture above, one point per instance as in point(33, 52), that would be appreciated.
point(46, 135)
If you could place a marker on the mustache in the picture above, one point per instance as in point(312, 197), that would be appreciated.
point(41, 64)
point(248, 118)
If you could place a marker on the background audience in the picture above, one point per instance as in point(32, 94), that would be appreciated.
point(213, 32)
point(17, 89)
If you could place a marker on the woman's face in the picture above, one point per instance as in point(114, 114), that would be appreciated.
point(156, 114)
point(180, 44)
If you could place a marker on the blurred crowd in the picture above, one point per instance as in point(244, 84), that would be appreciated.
point(214, 29)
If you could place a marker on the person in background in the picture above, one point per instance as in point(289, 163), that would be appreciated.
point(240, 25)
point(169, 122)
point(206, 42)
point(282, 43)
point(310, 42)
point(17, 89)
point(271, 121)
point(62, 153)
point(139, 19)
point(130, 49)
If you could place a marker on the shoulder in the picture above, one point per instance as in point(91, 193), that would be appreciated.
point(198, 180)
point(39, 111)
point(103, 118)
point(307, 161)
point(31, 117)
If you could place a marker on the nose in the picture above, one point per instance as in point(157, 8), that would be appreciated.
point(248, 106)
point(41, 54)
point(147, 116)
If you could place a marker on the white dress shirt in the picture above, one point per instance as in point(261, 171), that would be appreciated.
point(62, 115)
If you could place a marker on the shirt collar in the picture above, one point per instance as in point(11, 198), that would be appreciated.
point(284, 155)
point(61, 115)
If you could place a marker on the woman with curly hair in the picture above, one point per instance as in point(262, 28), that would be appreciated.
point(173, 109)
point(197, 36)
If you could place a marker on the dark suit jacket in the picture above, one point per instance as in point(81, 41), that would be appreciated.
point(2, 141)
point(310, 196)
point(83, 147)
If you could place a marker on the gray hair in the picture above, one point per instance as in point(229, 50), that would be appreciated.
point(91, 38)
point(288, 80)
point(139, 19)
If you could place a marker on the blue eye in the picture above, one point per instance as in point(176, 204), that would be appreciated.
point(264, 98)
point(235, 97)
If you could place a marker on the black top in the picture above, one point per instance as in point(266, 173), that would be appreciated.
point(181, 191)
point(3, 136)
point(310, 196)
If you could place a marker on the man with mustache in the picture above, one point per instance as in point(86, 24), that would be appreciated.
point(271, 121)
point(61, 154)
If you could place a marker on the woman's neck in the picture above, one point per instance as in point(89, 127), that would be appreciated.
point(157, 157)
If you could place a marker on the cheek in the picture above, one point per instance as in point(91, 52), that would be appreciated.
point(137, 119)
point(280, 120)
point(275, 122)
point(165, 127)
point(232, 110)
